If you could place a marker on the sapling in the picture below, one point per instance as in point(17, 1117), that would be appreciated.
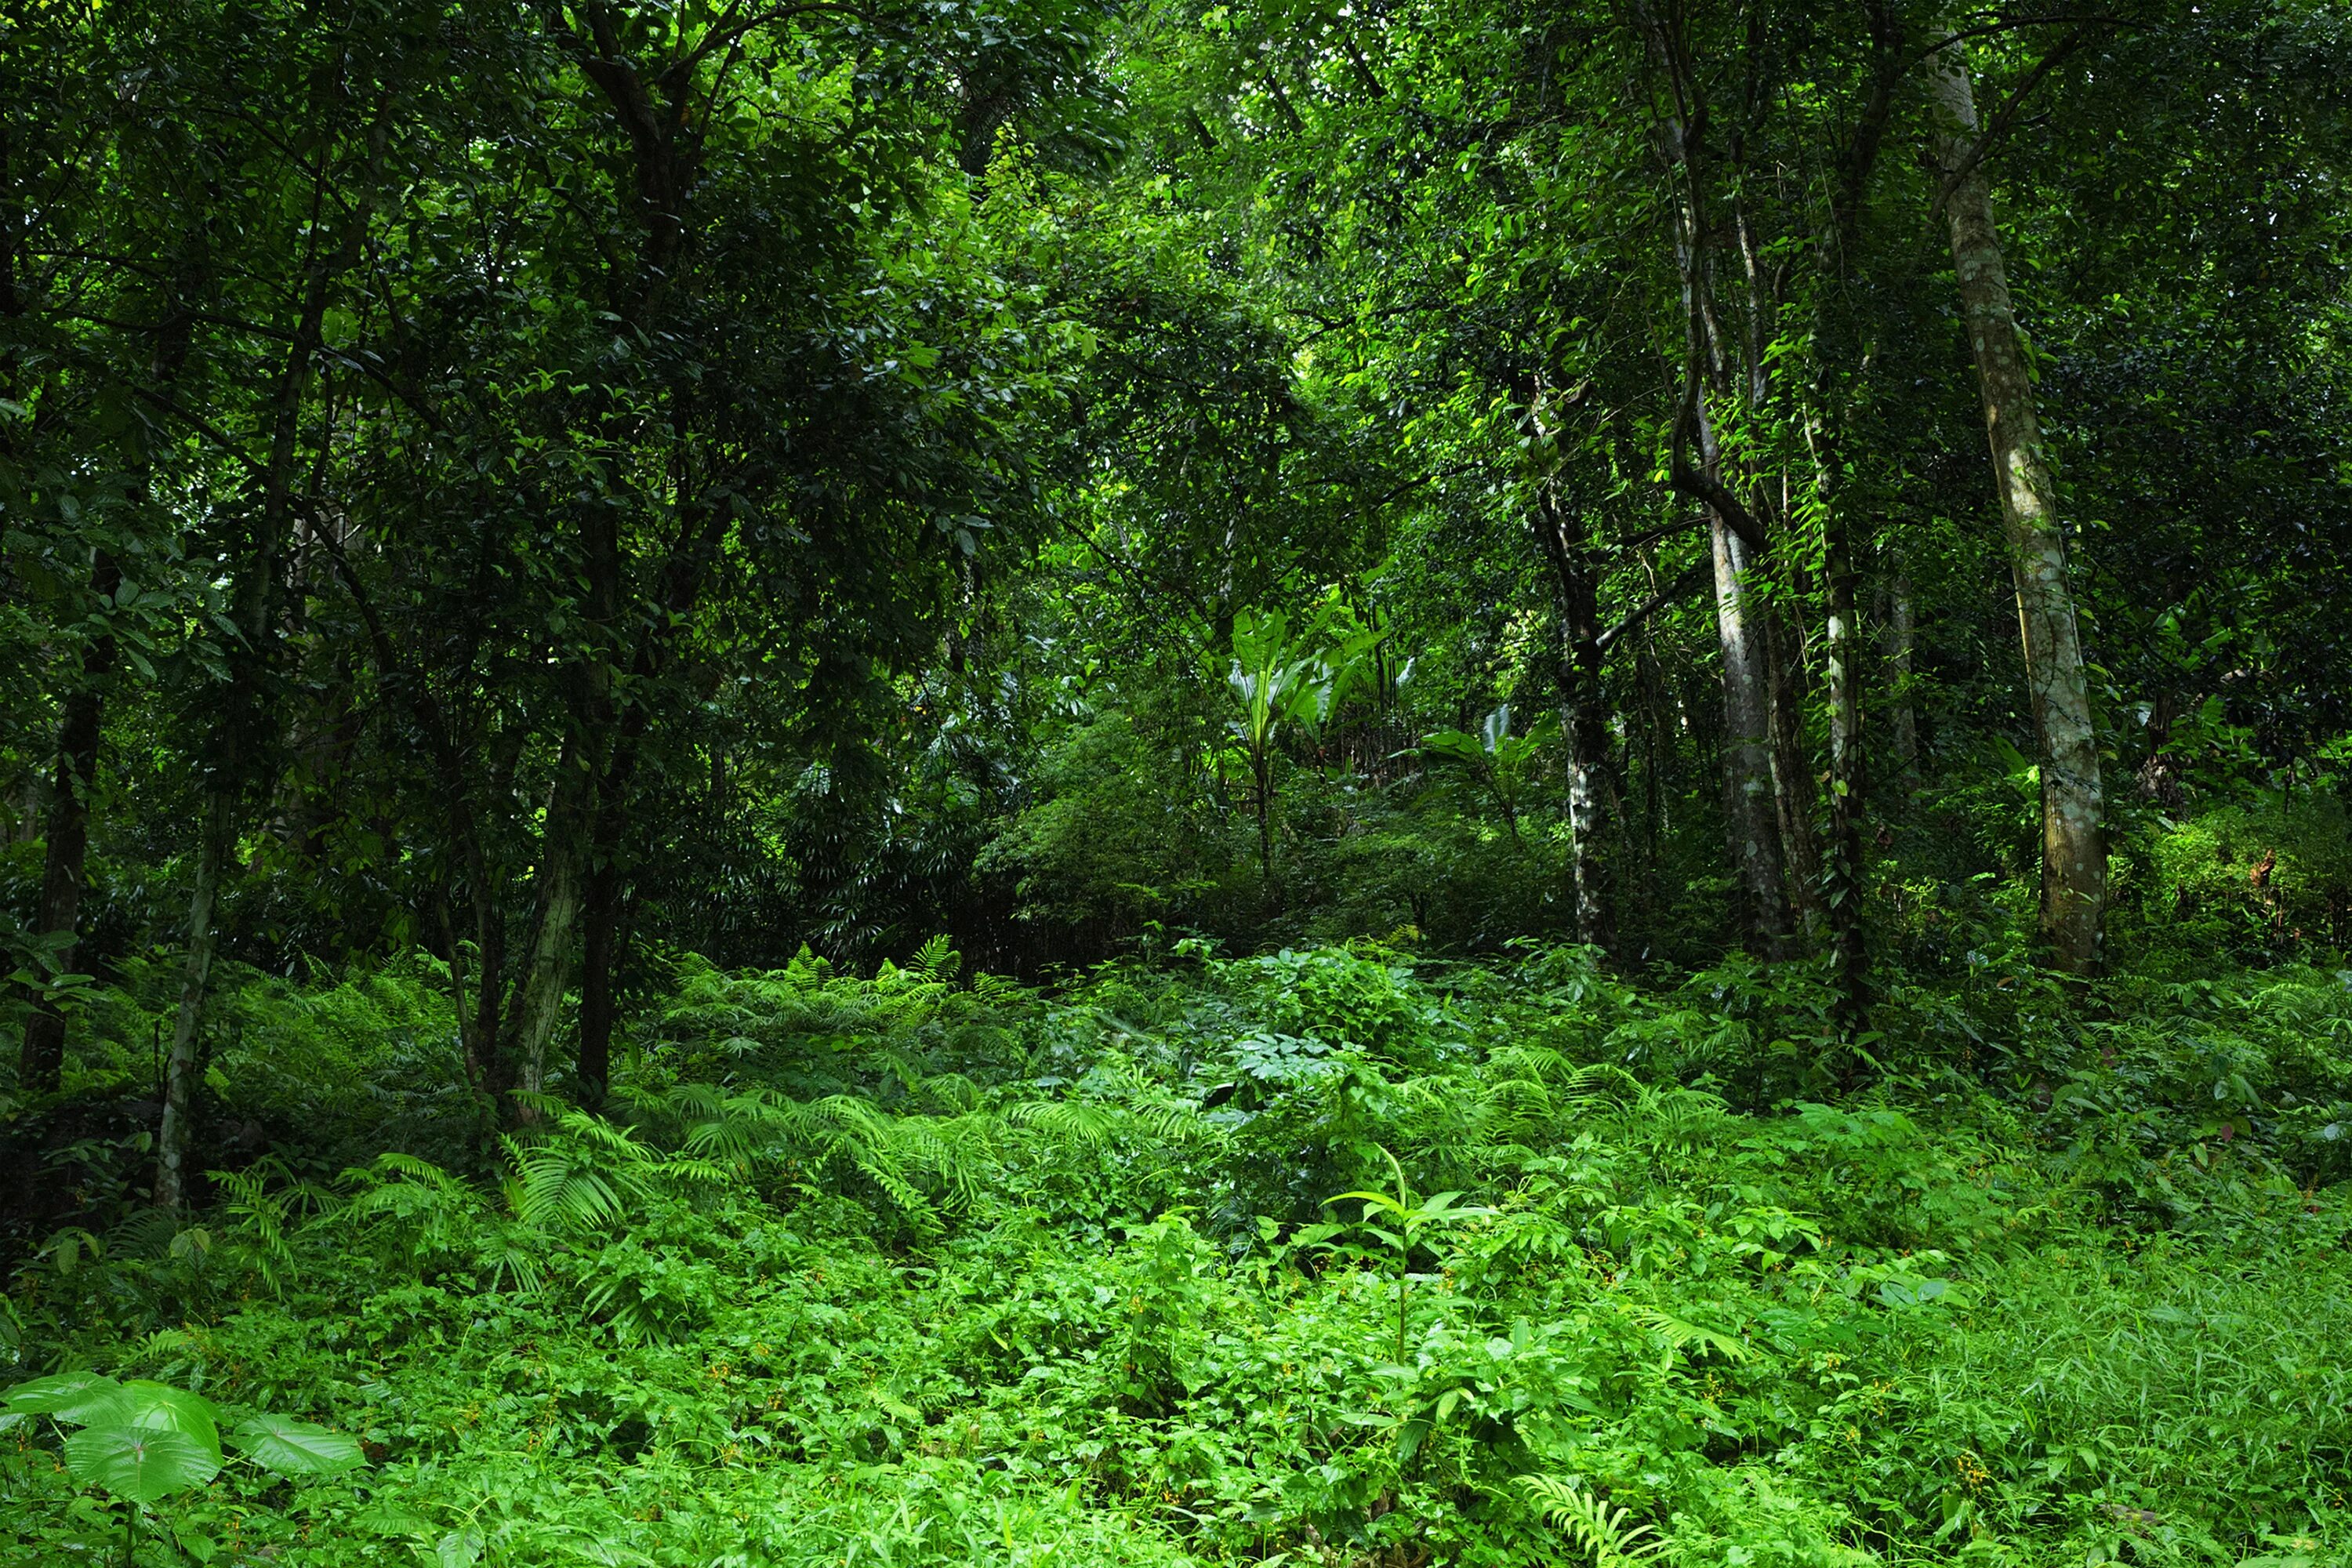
point(1410, 1215)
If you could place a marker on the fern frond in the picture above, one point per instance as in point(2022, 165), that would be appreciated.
point(1609, 1535)
point(1681, 1334)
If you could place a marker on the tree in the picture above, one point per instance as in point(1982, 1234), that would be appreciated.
point(2074, 825)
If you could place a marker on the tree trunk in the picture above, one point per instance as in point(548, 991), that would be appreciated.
point(1588, 765)
point(1749, 812)
point(603, 945)
point(1842, 883)
point(561, 886)
point(1792, 774)
point(1576, 580)
point(2073, 838)
point(65, 855)
point(1902, 637)
point(179, 1075)
point(256, 614)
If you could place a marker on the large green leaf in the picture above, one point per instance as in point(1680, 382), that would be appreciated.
point(75, 1398)
point(161, 1407)
point(297, 1447)
point(140, 1464)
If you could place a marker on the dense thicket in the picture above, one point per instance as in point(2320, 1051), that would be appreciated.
point(1788, 557)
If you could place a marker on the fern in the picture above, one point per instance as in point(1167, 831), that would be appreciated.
point(1590, 1521)
point(1679, 1334)
point(937, 959)
point(584, 1175)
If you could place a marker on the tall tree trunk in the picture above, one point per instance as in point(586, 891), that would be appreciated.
point(2073, 831)
point(257, 610)
point(180, 1073)
point(65, 855)
point(1841, 882)
point(1751, 825)
point(1750, 811)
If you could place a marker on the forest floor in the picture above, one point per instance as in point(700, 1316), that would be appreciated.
point(917, 1269)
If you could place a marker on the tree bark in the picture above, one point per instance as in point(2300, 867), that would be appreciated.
point(65, 855)
point(603, 950)
point(2074, 835)
point(1748, 802)
point(1793, 774)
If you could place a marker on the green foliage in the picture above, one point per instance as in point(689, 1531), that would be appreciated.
point(934, 1268)
point(1502, 764)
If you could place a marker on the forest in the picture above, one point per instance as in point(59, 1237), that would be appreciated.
point(1350, 784)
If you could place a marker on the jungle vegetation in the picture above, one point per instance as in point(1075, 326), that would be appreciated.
point(1357, 783)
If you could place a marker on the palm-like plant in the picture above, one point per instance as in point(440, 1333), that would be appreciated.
point(1502, 764)
point(1282, 683)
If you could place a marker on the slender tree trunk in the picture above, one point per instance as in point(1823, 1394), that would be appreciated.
point(1576, 581)
point(255, 615)
point(180, 1073)
point(1792, 774)
point(65, 855)
point(1749, 800)
point(1749, 810)
point(2074, 834)
point(1587, 781)
point(1902, 722)
point(1842, 883)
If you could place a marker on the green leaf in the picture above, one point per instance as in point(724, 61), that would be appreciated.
point(75, 1398)
point(297, 1447)
point(139, 1464)
point(160, 1407)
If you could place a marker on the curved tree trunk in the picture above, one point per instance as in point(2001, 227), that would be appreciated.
point(2074, 829)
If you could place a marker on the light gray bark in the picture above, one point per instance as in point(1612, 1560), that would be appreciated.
point(2073, 838)
point(1750, 801)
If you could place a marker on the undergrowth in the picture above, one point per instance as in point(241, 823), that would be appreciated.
point(928, 1269)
